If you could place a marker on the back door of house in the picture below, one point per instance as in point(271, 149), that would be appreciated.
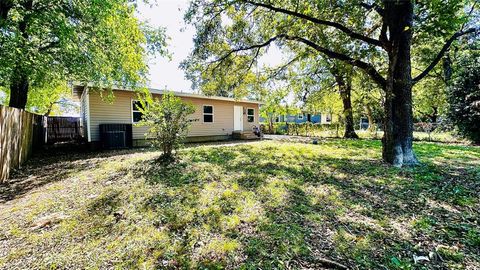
point(237, 118)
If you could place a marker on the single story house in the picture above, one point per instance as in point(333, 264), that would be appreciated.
point(215, 118)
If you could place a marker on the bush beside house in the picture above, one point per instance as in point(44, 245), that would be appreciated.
point(167, 121)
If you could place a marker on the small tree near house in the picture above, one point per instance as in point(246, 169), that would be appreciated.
point(167, 122)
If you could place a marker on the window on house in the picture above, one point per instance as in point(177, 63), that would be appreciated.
point(328, 118)
point(136, 113)
point(207, 113)
point(250, 115)
point(300, 116)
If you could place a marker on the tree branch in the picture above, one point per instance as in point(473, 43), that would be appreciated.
point(440, 54)
point(373, 6)
point(283, 67)
point(336, 25)
point(254, 57)
point(51, 45)
point(256, 46)
point(383, 36)
point(368, 68)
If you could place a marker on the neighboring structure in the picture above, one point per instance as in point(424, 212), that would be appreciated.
point(215, 118)
point(364, 125)
point(303, 118)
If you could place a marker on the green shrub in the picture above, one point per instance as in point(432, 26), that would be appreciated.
point(167, 121)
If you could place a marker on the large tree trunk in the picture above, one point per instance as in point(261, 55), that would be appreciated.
point(5, 7)
point(398, 126)
point(18, 89)
point(346, 94)
point(344, 83)
point(19, 81)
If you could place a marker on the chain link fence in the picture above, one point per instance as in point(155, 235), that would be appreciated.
point(423, 131)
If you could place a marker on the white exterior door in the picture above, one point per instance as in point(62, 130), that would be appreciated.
point(237, 118)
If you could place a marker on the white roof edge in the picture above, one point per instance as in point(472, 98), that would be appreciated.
point(180, 94)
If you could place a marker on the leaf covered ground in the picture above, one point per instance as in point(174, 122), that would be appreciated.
point(268, 205)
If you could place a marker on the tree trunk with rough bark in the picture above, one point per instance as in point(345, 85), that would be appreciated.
point(19, 80)
point(18, 89)
point(344, 83)
point(398, 126)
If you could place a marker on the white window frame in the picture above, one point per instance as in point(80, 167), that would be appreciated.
point(300, 116)
point(132, 111)
point(251, 115)
point(212, 114)
point(328, 118)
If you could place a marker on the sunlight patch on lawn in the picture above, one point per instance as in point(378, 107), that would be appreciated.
point(262, 205)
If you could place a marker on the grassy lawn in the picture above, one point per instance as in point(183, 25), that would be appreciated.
point(258, 205)
point(446, 137)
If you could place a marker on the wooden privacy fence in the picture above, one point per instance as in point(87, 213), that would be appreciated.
point(61, 129)
point(20, 133)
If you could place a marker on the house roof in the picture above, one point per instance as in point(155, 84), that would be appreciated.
point(77, 91)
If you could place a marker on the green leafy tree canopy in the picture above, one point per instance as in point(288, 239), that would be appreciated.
point(464, 95)
point(87, 41)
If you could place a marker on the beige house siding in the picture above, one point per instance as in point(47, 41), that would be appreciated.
point(120, 111)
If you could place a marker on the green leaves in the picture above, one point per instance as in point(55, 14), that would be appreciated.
point(167, 120)
point(464, 95)
point(97, 42)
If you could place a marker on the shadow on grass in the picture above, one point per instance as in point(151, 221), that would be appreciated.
point(278, 205)
point(356, 211)
point(48, 166)
point(54, 165)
